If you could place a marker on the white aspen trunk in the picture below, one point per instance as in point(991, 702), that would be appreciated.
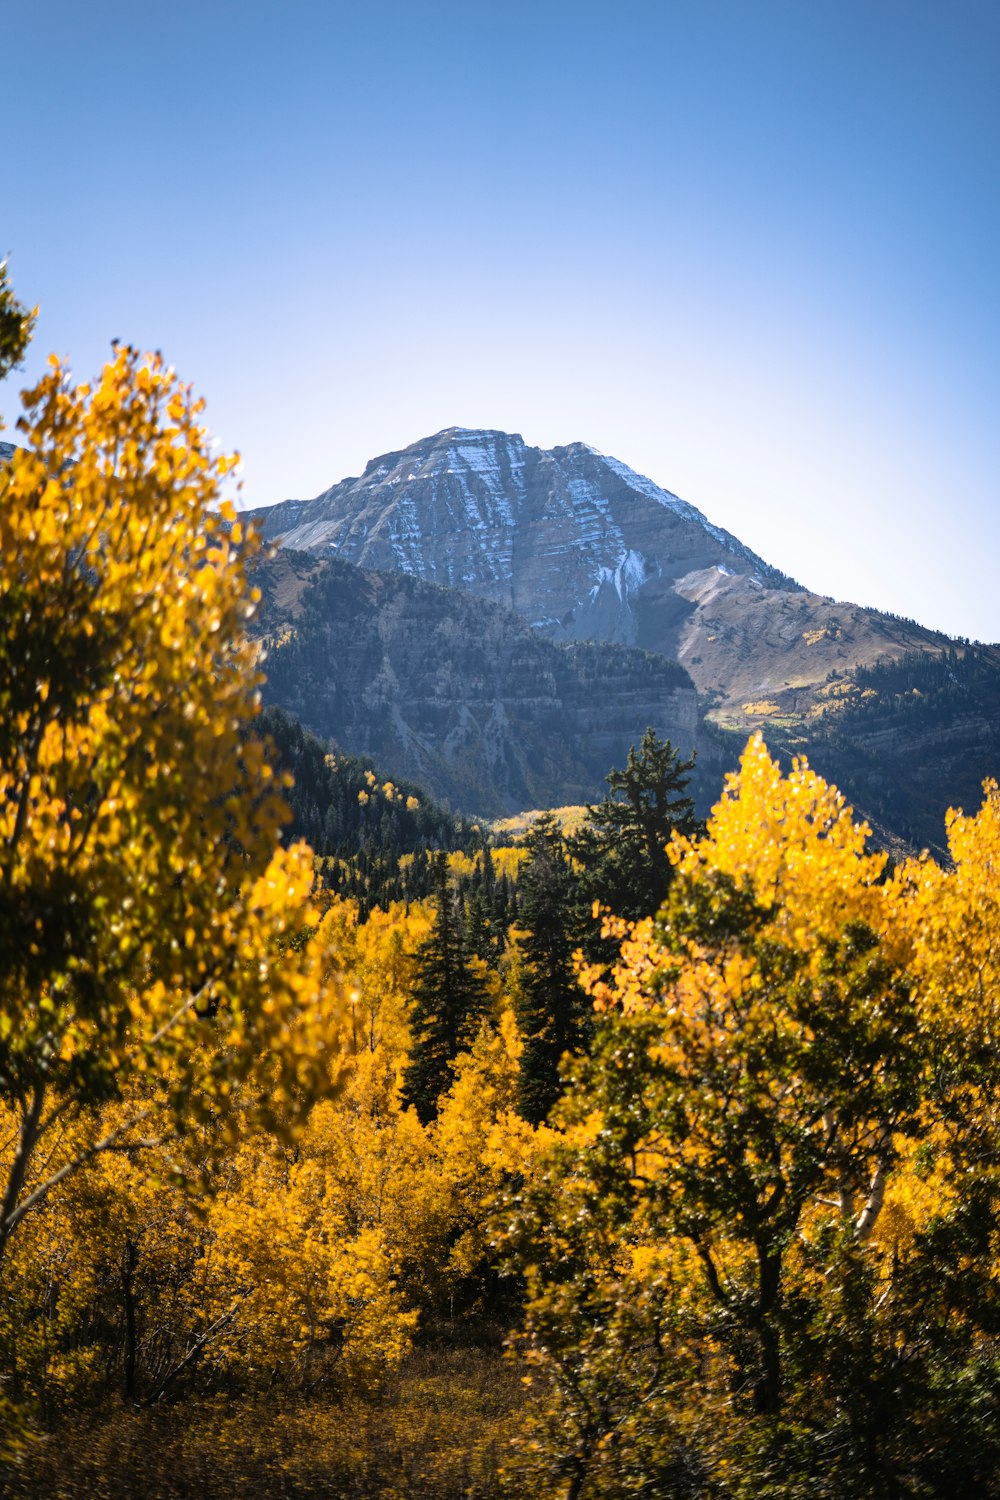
point(876, 1193)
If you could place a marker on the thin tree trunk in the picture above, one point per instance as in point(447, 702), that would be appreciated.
point(767, 1388)
point(876, 1193)
point(576, 1485)
point(30, 1122)
point(129, 1264)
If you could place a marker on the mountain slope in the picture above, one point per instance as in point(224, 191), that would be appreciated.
point(460, 695)
point(907, 739)
point(586, 549)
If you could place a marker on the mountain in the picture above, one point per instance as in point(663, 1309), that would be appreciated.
point(460, 695)
point(584, 548)
point(905, 720)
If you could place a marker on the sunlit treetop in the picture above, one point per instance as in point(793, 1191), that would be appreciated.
point(792, 842)
point(954, 917)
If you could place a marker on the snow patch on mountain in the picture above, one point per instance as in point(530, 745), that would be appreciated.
point(626, 579)
point(486, 467)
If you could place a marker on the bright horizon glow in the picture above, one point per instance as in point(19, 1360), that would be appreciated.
point(749, 251)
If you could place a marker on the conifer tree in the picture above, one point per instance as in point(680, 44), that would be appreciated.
point(500, 908)
point(449, 1001)
point(479, 930)
point(552, 1011)
point(622, 846)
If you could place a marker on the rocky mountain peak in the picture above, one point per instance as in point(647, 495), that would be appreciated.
point(586, 549)
point(567, 536)
point(453, 446)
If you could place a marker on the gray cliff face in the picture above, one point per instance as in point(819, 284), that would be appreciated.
point(583, 548)
point(567, 529)
point(460, 695)
point(568, 538)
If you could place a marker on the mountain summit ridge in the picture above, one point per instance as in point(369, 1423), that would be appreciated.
point(584, 548)
point(469, 492)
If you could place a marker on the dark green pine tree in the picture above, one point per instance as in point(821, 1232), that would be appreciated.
point(479, 934)
point(449, 1001)
point(552, 1011)
point(622, 845)
point(500, 907)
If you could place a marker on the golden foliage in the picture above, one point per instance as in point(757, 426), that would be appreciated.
point(763, 707)
point(148, 915)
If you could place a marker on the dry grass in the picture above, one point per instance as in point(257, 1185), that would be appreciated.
point(440, 1433)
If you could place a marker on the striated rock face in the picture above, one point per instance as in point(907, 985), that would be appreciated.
point(458, 694)
point(548, 534)
point(584, 548)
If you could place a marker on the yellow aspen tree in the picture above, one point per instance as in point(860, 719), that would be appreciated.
point(288, 1283)
point(378, 953)
point(781, 1060)
point(98, 1278)
point(481, 1144)
point(146, 906)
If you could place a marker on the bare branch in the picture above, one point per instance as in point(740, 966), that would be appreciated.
point(111, 1142)
point(192, 1354)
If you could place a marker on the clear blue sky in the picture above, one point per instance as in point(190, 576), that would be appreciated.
point(750, 248)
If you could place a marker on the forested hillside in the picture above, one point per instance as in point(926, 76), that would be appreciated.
point(459, 695)
point(907, 739)
point(375, 838)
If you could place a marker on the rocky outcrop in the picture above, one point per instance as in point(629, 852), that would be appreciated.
point(759, 654)
point(459, 694)
point(583, 548)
